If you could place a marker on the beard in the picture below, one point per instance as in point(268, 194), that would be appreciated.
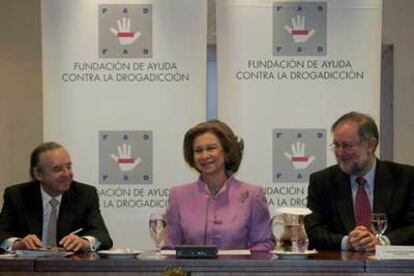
point(355, 167)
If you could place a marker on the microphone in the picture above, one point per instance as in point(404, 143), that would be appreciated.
point(208, 198)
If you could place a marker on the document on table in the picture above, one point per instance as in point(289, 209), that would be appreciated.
point(48, 253)
point(234, 252)
point(394, 252)
point(7, 255)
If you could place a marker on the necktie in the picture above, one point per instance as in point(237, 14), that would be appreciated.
point(51, 229)
point(362, 210)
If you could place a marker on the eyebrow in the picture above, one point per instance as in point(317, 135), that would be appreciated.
point(208, 145)
point(62, 165)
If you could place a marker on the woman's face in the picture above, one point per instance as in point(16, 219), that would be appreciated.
point(209, 156)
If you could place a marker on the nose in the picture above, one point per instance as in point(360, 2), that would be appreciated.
point(67, 172)
point(205, 154)
point(340, 152)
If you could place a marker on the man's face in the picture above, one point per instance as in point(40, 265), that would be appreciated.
point(354, 156)
point(55, 171)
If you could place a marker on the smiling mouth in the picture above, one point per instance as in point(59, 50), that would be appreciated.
point(343, 158)
point(66, 182)
point(207, 162)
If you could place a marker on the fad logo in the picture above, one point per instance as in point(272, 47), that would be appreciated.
point(299, 28)
point(125, 31)
point(125, 157)
point(297, 153)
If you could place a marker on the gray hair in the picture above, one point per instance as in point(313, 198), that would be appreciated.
point(34, 157)
point(367, 128)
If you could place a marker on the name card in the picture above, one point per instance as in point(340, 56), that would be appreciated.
point(394, 252)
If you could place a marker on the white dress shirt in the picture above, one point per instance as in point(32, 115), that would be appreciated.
point(47, 208)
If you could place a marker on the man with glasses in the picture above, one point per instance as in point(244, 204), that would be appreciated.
point(343, 197)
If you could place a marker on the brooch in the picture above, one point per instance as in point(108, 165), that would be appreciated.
point(244, 196)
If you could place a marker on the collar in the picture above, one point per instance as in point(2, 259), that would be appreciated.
point(369, 176)
point(46, 197)
point(204, 187)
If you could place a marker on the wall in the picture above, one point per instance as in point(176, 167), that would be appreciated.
point(397, 29)
point(21, 88)
point(21, 83)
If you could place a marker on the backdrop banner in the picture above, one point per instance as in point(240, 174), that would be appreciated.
point(286, 71)
point(122, 82)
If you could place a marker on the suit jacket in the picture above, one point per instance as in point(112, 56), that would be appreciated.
point(330, 199)
point(22, 213)
point(236, 217)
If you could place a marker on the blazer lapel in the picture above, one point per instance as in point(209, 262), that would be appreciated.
point(34, 210)
point(383, 188)
point(343, 199)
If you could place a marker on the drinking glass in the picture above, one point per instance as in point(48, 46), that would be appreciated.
point(289, 230)
point(157, 223)
point(379, 225)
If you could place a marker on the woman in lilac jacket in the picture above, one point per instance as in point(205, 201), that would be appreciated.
point(217, 209)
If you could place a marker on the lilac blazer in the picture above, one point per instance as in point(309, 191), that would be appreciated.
point(237, 217)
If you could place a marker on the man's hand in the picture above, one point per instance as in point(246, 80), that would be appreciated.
point(75, 243)
point(30, 242)
point(361, 239)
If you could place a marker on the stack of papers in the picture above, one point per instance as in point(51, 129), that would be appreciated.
point(394, 252)
point(7, 255)
point(43, 252)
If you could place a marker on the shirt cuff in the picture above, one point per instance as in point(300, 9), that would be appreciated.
point(94, 243)
point(7, 244)
point(345, 243)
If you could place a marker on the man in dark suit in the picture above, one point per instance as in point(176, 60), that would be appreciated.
point(29, 219)
point(343, 197)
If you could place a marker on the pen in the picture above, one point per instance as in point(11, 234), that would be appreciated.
point(76, 231)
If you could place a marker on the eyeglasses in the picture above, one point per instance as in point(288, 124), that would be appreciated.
point(344, 145)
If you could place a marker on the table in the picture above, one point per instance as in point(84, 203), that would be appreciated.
point(324, 263)
point(16, 265)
